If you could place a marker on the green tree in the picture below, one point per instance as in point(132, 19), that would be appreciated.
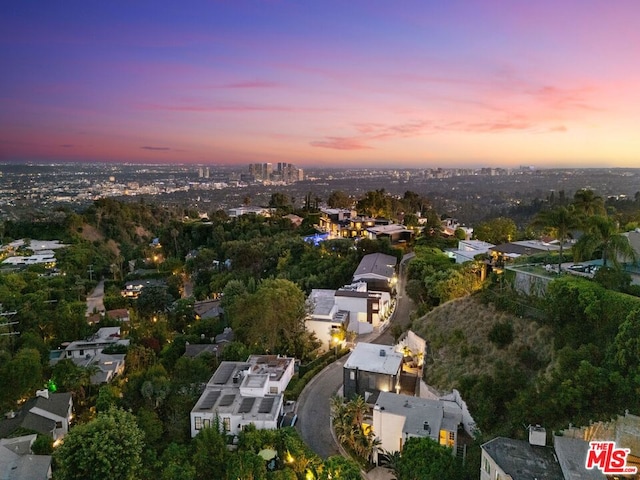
point(153, 300)
point(424, 459)
point(559, 222)
point(272, 318)
point(602, 234)
point(496, 231)
point(110, 446)
point(339, 467)
point(376, 204)
point(339, 199)
point(23, 373)
point(176, 462)
point(588, 203)
point(246, 465)
point(210, 456)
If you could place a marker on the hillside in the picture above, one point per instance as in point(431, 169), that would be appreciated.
point(458, 333)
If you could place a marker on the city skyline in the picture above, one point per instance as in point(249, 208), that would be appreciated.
point(334, 83)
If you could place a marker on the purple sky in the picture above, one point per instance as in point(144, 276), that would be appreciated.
point(408, 83)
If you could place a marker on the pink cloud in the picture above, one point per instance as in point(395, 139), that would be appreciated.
point(340, 143)
point(566, 98)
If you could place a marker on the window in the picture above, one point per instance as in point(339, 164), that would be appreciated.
point(198, 423)
point(273, 390)
point(486, 466)
point(58, 424)
point(207, 422)
point(352, 375)
point(226, 424)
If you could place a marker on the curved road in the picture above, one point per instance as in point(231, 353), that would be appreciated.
point(314, 410)
point(313, 407)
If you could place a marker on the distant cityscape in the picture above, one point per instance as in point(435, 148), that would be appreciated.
point(464, 192)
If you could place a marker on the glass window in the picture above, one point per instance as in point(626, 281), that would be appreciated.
point(198, 423)
point(226, 424)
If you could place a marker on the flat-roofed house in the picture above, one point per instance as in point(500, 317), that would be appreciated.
point(244, 393)
point(370, 369)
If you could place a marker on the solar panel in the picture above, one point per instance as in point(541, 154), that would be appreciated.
point(223, 373)
point(227, 400)
point(266, 405)
point(247, 405)
point(210, 400)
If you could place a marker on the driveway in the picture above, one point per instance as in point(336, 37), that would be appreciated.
point(95, 299)
point(404, 305)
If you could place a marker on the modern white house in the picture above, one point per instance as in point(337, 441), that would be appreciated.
point(352, 307)
point(244, 393)
point(245, 210)
point(103, 338)
point(397, 417)
point(468, 249)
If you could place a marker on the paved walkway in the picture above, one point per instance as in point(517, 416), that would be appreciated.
point(380, 473)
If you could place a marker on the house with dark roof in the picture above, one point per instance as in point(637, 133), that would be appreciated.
point(207, 309)
point(396, 418)
point(118, 314)
point(523, 460)
point(17, 461)
point(378, 270)
point(47, 413)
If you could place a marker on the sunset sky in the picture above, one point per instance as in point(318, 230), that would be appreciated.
point(322, 82)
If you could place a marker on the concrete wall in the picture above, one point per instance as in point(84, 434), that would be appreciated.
point(387, 427)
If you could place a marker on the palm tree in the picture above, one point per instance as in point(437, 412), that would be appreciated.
point(602, 234)
point(559, 221)
point(587, 202)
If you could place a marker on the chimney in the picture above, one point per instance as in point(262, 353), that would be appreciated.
point(42, 393)
point(537, 436)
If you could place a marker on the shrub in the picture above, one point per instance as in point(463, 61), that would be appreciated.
point(501, 334)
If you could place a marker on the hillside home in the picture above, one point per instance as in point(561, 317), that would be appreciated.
point(394, 232)
point(246, 210)
point(507, 458)
point(243, 393)
point(511, 250)
point(371, 369)
point(396, 418)
point(351, 307)
point(468, 249)
point(118, 314)
point(103, 338)
point(47, 413)
point(17, 461)
point(378, 271)
point(107, 366)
